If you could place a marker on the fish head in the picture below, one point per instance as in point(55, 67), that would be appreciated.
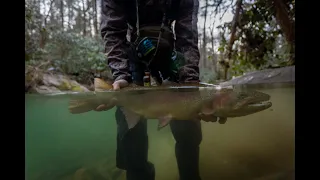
point(232, 103)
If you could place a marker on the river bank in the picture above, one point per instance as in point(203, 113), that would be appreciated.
point(40, 82)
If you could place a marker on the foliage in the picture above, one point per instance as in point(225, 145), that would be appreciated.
point(62, 36)
point(207, 75)
point(50, 47)
point(259, 40)
point(75, 54)
point(31, 47)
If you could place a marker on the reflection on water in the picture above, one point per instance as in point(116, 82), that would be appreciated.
point(63, 146)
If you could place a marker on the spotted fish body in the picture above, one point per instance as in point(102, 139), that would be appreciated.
point(176, 102)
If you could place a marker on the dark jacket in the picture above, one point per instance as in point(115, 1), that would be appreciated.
point(114, 30)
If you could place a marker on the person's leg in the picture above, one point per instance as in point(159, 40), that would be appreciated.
point(188, 136)
point(132, 145)
point(132, 149)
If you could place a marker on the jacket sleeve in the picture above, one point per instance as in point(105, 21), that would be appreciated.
point(186, 31)
point(113, 31)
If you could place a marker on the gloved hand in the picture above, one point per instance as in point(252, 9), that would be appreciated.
point(116, 86)
point(212, 118)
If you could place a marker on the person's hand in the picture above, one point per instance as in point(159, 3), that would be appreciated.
point(116, 86)
point(120, 84)
point(212, 118)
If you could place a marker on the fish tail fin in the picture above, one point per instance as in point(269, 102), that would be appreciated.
point(101, 85)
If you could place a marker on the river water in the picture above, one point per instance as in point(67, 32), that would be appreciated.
point(64, 146)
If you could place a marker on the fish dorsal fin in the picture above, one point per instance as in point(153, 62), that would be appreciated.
point(164, 121)
point(101, 85)
point(132, 118)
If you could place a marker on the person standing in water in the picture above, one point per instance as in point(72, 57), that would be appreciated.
point(151, 48)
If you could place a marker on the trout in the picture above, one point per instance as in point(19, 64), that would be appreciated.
point(177, 102)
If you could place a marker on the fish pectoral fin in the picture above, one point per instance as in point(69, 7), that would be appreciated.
point(208, 107)
point(164, 121)
point(132, 118)
point(207, 111)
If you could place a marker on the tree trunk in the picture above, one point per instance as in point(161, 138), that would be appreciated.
point(95, 18)
point(232, 37)
point(204, 42)
point(69, 16)
point(90, 26)
point(42, 30)
point(286, 25)
point(200, 41)
point(43, 38)
point(213, 59)
point(84, 28)
point(62, 14)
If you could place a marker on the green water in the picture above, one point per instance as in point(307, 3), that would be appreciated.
point(63, 146)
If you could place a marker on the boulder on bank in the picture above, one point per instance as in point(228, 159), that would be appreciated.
point(267, 76)
point(52, 83)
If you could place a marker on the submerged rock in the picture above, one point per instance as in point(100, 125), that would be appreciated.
point(82, 174)
point(99, 172)
point(287, 175)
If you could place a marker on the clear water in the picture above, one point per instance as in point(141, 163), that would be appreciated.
point(63, 146)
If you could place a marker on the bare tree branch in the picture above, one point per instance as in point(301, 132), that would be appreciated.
point(50, 8)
